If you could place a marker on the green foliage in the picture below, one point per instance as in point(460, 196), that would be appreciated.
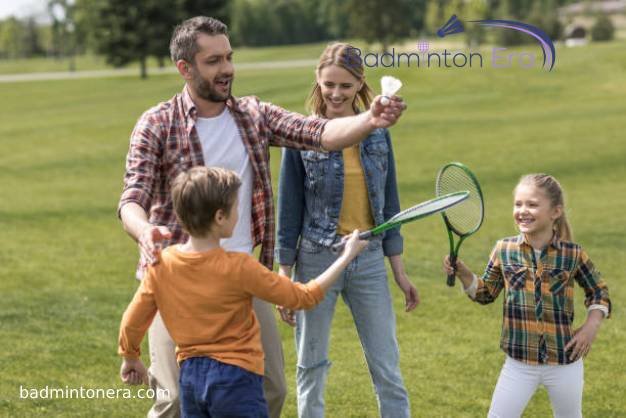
point(380, 22)
point(509, 10)
point(19, 39)
point(475, 34)
point(125, 31)
point(540, 13)
point(417, 17)
point(270, 22)
point(434, 16)
point(602, 29)
point(543, 14)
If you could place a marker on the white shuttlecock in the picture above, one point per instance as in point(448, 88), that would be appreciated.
point(390, 86)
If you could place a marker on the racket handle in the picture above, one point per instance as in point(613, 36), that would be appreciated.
point(451, 277)
point(337, 248)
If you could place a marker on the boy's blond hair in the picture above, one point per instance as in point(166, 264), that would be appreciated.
point(199, 193)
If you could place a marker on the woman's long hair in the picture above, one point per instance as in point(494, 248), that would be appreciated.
point(342, 55)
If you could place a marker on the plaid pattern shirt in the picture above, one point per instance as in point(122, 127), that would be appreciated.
point(538, 309)
point(165, 143)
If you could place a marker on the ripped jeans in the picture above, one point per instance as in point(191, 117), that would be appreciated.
point(364, 288)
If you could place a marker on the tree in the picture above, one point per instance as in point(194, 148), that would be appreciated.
point(276, 22)
point(332, 15)
point(377, 21)
point(65, 38)
point(31, 42)
point(509, 10)
point(475, 10)
point(417, 18)
point(11, 38)
point(434, 16)
point(602, 29)
point(551, 23)
point(125, 31)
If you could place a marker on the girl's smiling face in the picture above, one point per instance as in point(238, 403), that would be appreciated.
point(339, 89)
point(532, 210)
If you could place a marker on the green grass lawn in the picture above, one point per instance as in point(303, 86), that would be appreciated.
point(94, 62)
point(66, 266)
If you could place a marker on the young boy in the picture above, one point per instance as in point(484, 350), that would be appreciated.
point(204, 295)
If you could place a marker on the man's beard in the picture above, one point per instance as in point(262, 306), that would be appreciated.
point(205, 89)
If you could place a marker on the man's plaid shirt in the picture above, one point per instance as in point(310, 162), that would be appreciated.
point(165, 143)
point(538, 309)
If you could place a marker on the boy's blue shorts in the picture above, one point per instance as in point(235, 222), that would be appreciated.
point(209, 388)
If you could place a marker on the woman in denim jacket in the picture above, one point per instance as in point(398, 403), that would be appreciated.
point(322, 197)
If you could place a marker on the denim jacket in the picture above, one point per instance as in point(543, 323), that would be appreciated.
point(310, 193)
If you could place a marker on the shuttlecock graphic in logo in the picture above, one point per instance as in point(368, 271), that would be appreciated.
point(453, 25)
point(390, 86)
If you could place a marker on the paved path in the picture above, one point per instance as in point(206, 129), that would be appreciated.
point(132, 72)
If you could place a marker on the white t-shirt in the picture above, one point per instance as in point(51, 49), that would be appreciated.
point(223, 147)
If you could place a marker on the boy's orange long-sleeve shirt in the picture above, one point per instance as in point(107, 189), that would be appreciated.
point(205, 300)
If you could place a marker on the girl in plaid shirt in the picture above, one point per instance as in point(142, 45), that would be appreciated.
point(537, 270)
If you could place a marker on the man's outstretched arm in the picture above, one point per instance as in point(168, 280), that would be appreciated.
point(293, 130)
point(343, 132)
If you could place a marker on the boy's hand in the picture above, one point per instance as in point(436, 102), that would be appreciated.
point(287, 315)
point(133, 372)
point(354, 245)
point(150, 241)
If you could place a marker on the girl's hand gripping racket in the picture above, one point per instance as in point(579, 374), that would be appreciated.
point(467, 217)
point(412, 214)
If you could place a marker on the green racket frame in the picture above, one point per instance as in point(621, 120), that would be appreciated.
point(454, 249)
point(392, 223)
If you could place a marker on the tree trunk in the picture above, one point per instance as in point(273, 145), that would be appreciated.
point(142, 66)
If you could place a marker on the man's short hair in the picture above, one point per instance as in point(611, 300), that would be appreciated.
point(199, 193)
point(183, 45)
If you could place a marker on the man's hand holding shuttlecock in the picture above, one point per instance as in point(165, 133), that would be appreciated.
point(387, 108)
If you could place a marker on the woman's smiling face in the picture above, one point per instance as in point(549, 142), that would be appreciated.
point(339, 89)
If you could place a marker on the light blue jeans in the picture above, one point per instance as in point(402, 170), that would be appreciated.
point(363, 287)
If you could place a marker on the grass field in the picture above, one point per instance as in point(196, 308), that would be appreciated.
point(93, 62)
point(66, 266)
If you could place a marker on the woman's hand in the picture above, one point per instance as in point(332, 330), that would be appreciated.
point(411, 297)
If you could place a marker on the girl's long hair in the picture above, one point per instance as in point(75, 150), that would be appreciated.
point(342, 55)
point(554, 191)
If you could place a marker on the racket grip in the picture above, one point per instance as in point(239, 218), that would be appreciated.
point(337, 248)
point(451, 277)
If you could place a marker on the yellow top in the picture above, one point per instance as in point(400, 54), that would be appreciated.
point(356, 212)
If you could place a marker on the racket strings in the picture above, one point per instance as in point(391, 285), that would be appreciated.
point(467, 216)
point(427, 207)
